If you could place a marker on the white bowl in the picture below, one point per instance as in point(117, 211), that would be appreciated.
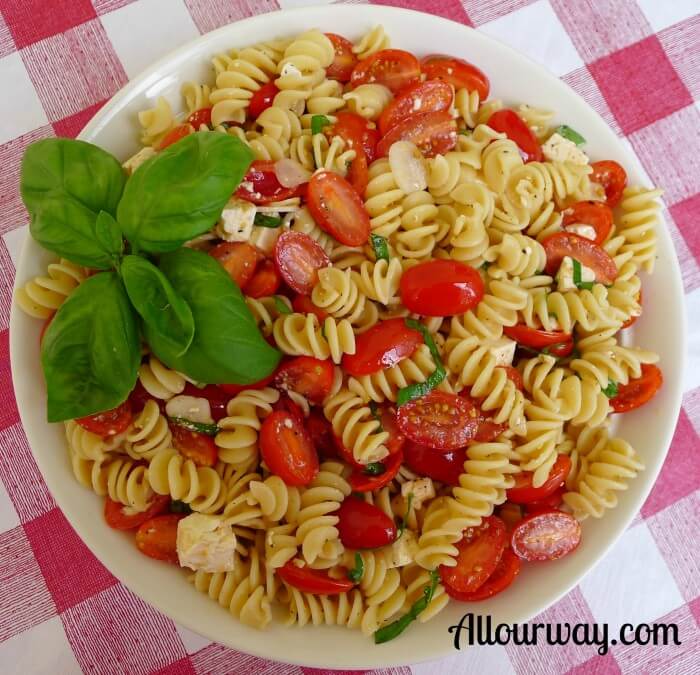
point(662, 328)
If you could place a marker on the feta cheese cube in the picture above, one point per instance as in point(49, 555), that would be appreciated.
point(192, 408)
point(138, 159)
point(582, 230)
point(404, 549)
point(237, 220)
point(565, 275)
point(206, 543)
point(503, 350)
point(560, 149)
point(422, 489)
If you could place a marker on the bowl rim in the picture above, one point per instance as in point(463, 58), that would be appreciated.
point(376, 14)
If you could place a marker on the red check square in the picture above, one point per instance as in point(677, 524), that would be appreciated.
point(681, 44)
point(8, 406)
point(216, 659)
point(181, 667)
point(483, 11)
point(72, 572)
point(582, 82)
point(450, 9)
point(597, 665)
point(71, 126)
point(687, 217)
point(30, 21)
point(640, 84)
point(210, 14)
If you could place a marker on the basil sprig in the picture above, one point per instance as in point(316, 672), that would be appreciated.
point(374, 469)
point(578, 281)
point(419, 389)
point(318, 122)
point(380, 246)
point(199, 427)
point(355, 574)
point(395, 628)
point(611, 390)
point(404, 520)
point(570, 134)
point(261, 220)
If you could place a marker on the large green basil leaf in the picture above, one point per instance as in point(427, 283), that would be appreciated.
point(64, 185)
point(227, 345)
point(180, 193)
point(91, 352)
point(163, 310)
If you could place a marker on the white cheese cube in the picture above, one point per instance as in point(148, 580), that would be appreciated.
point(582, 230)
point(422, 489)
point(206, 543)
point(560, 149)
point(503, 350)
point(192, 408)
point(565, 275)
point(138, 159)
point(404, 549)
point(237, 220)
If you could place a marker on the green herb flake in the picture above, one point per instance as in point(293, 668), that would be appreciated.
point(261, 220)
point(611, 390)
point(578, 282)
point(570, 134)
point(200, 428)
point(355, 574)
point(419, 389)
point(465, 132)
point(318, 122)
point(404, 521)
point(281, 306)
point(485, 265)
point(374, 469)
point(176, 506)
point(380, 246)
point(374, 409)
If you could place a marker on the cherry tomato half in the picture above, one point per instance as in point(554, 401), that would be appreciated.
point(338, 209)
point(299, 258)
point(118, 520)
point(381, 347)
point(394, 68)
point(262, 99)
point(508, 122)
point(264, 282)
point(285, 404)
point(545, 536)
point(536, 338)
point(443, 465)
point(363, 525)
point(360, 481)
point(457, 72)
point(430, 96)
point(157, 537)
point(503, 576)
point(358, 173)
point(441, 288)
point(612, 177)
point(596, 214)
point(480, 551)
point(287, 449)
point(174, 135)
point(233, 389)
point(217, 397)
point(304, 305)
point(433, 133)
point(561, 244)
point(199, 117)
point(513, 374)
point(260, 184)
point(356, 132)
point(193, 445)
point(108, 423)
point(549, 503)
point(523, 492)
point(312, 581)
point(238, 258)
point(310, 377)
point(344, 61)
point(321, 433)
point(396, 438)
point(639, 391)
point(139, 397)
point(439, 420)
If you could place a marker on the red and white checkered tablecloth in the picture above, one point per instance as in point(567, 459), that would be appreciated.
point(636, 62)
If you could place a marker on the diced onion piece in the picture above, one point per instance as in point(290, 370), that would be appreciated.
point(192, 408)
point(290, 173)
point(408, 167)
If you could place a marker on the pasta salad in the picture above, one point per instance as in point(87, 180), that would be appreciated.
point(347, 335)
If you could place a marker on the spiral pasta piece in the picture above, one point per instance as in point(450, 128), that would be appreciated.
point(84, 443)
point(156, 122)
point(537, 451)
point(419, 228)
point(266, 309)
point(516, 255)
point(415, 579)
point(383, 199)
point(159, 381)
point(338, 294)
point(196, 96)
point(304, 222)
point(368, 100)
point(42, 296)
point(317, 152)
point(344, 609)
point(301, 335)
point(467, 104)
point(637, 225)
point(442, 529)
point(379, 281)
point(280, 124)
point(372, 42)
point(537, 119)
point(148, 434)
point(326, 98)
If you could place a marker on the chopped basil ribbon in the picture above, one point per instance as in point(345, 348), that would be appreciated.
point(395, 628)
point(318, 122)
point(381, 249)
point(176, 506)
point(261, 220)
point(282, 306)
point(419, 389)
point(404, 520)
point(611, 390)
point(199, 427)
point(374, 469)
point(570, 134)
point(578, 282)
point(485, 265)
point(355, 574)
point(374, 409)
point(323, 331)
point(548, 349)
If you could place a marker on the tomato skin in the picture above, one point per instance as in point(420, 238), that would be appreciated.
point(362, 482)
point(394, 68)
point(238, 258)
point(561, 244)
point(286, 448)
point(217, 397)
point(174, 135)
point(457, 72)
point(612, 177)
point(548, 535)
point(338, 208)
point(299, 258)
point(396, 440)
point(346, 455)
point(118, 520)
point(260, 184)
point(358, 173)
point(303, 304)
point(513, 374)
point(321, 433)
point(356, 132)
point(536, 338)
point(596, 214)
point(433, 133)
point(200, 448)
point(312, 581)
point(265, 281)
point(549, 503)
point(233, 389)
point(503, 576)
point(439, 420)
point(523, 492)
point(441, 288)
point(344, 61)
point(637, 392)
point(480, 551)
point(199, 117)
point(109, 422)
point(364, 525)
point(157, 537)
point(443, 465)
point(139, 397)
point(508, 122)
point(310, 377)
point(262, 99)
point(430, 96)
point(382, 346)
